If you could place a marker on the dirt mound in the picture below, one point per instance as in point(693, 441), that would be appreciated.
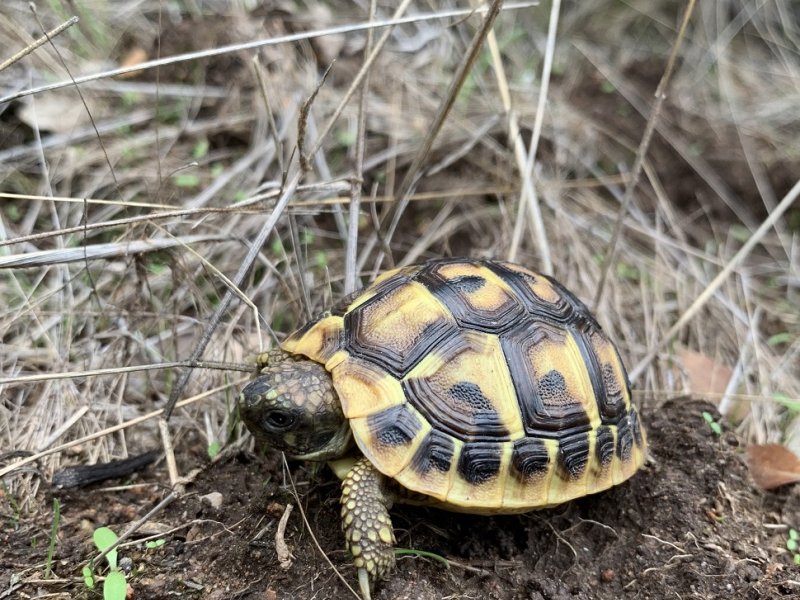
point(690, 525)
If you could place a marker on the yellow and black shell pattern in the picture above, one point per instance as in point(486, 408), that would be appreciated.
point(482, 384)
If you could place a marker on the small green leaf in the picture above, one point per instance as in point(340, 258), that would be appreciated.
point(707, 416)
point(740, 233)
point(607, 87)
point(103, 538)
point(797, 559)
point(53, 536)
point(186, 180)
point(780, 338)
point(213, 449)
point(695, 149)
point(217, 169)
point(793, 534)
point(115, 586)
point(626, 272)
point(791, 545)
point(88, 578)
point(200, 149)
point(715, 427)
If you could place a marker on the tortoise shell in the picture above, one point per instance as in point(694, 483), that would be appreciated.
point(482, 384)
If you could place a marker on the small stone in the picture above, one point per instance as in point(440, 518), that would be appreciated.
point(214, 499)
point(275, 510)
point(607, 575)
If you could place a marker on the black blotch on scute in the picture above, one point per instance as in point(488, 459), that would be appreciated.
point(530, 457)
point(307, 327)
point(470, 394)
point(636, 427)
point(395, 426)
point(468, 283)
point(553, 388)
point(479, 462)
point(573, 455)
point(624, 440)
point(340, 308)
point(435, 452)
point(604, 445)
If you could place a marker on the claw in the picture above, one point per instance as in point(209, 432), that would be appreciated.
point(363, 582)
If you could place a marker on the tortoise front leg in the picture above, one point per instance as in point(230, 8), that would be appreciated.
point(367, 526)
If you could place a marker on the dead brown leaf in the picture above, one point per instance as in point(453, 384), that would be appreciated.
point(706, 375)
point(134, 56)
point(772, 465)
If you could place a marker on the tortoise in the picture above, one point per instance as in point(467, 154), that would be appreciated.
point(471, 385)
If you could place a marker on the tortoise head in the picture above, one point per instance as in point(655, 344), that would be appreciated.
point(292, 406)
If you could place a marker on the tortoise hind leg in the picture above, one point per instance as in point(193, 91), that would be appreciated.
point(367, 526)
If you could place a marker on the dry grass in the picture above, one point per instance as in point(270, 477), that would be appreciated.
point(101, 271)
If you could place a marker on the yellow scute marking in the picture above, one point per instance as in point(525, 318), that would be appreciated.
point(398, 319)
point(389, 460)
point(478, 360)
point(491, 296)
point(319, 343)
point(364, 390)
point(533, 491)
point(540, 287)
point(489, 493)
point(565, 358)
point(607, 356)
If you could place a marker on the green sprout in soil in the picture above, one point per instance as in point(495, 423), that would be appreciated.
point(153, 544)
point(793, 546)
point(115, 586)
point(213, 449)
point(53, 534)
point(715, 427)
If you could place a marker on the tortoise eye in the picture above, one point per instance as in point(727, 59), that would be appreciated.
point(280, 419)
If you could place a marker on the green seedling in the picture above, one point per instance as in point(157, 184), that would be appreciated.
point(213, 449)
point(715, 427)
point(186, 180)
point(115, 586)
point(53, 534)
point(88, 577)
point(153, 544)
point(780, 338)
point(441, 559)
point(200, 149)
point(792, 544)
point(13, 502)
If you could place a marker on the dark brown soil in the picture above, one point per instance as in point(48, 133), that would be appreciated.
point(689, 525)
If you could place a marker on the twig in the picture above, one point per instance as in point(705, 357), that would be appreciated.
point(350, 275)
point(389, 220)
point(661, 95)
point(732, 265)
point(529, 197)
point(302, 123)
point(273, 128)
point(206, 364)
point(39, 42)
point(133, 528)
point(311, 531)
point(358, 79)
point(282, 550)
point(109, 430)
point(83, 101)
point(237, 281)
point(307, 35)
